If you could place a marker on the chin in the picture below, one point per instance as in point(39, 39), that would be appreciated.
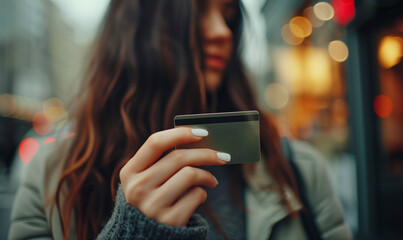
point(213, 80)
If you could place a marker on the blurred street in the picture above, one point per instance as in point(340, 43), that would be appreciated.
point(330, 73)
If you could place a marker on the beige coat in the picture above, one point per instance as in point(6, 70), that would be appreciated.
point(31, 220)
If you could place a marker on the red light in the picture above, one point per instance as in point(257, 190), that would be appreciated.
point(27, 149)
point(41, 123)
point(49, 140)
point(69, 135)
point(344, 11)
point(383, 106)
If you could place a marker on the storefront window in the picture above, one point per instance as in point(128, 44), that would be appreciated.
point(388, 102)
point(303, 83)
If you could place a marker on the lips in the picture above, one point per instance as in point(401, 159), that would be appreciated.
point(215, 61)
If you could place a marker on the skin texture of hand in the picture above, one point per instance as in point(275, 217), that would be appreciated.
point(168, 190)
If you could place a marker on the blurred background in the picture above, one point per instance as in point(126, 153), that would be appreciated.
point(330, 72)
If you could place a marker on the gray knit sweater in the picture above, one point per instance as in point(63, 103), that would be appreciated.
point(127, 222)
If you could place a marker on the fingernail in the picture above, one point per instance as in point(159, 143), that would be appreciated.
point(224, 156)
point(200, 132)
point(216, 181)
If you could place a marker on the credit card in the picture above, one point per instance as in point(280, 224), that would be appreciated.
point(236, 133)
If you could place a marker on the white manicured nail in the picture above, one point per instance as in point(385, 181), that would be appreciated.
point(200, 132)
point(224, 156)
point(216, 181)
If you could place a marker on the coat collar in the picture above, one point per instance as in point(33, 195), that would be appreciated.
point(263, 202)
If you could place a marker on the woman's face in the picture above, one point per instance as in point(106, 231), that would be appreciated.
point(216, 38)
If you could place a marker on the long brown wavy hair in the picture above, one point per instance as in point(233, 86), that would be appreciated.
point(145, 69)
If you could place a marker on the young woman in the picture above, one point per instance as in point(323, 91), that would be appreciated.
point(119, 177)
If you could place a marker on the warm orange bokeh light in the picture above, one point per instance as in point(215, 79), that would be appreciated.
point(276, 95)
point(338, 50)
point(383, 106)
point(390, 51)
point(289, 37)
point(315, 21)
point(324, 11)
point(7, 105)
point(301, 27)
point(54, 109)
point(311, 70)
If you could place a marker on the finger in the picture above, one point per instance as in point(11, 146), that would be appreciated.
point(183, 209)
point(182, 181)
point(160, 142)
point(179, 158)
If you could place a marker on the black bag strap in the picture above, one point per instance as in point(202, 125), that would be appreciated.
point(306, 214)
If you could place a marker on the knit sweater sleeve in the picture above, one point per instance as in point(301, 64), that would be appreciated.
point(128, 222)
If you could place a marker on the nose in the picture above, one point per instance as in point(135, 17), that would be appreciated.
point(215, 28)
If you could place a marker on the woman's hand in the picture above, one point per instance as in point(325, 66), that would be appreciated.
point(169, 190)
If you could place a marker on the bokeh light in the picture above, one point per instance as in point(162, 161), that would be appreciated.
point(338, 51)
point(20, 107)
point(383, 106)
point(7, 105)
point(49, 140)
point(318, 79)
point(276, 95)
point(69, 135)
point(301, 27)
point(290, 38)
point(27, 149)
point(54, 109)
point(315, 21)
point(42, 124)
point(390, 51)
point(324, 11)
point(52, 102)
point(55, 113)
point(291, 59)
point(344, 11)
point(305, 70)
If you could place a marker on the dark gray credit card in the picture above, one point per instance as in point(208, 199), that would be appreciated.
point(236, 133)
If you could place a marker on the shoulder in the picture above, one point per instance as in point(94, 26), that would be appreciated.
point(48, 159)
point(44, 169)
point(30, 215)
point(326, 208)
point(305, 153)
point(311, 164)
point(38, 153)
